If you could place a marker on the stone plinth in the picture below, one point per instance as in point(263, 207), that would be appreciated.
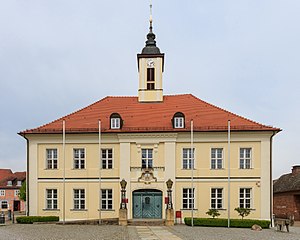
point(123, 217)
point(169, 217)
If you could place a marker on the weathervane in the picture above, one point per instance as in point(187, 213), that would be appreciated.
point(150, 16)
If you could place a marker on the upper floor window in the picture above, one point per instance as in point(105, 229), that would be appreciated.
point(106, 199)
point(9, 183)
point(19, 183)
point(79, 199)
point(4, 204)
point(2, 192)
point(51, 161)
point(147, 158)
point(79, 158)
point(188, 198)
point(17, 192)
point(178, 120)
point(245, 158)
point(115, 121)
point(216, 160)
point(150, 78)
point(51, 198)
point(107, 158)
point(216, 199)
point(188, 158)
point(245, 197)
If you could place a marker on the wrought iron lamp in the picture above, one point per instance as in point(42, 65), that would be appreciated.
point(123, 184)
point(169, 186)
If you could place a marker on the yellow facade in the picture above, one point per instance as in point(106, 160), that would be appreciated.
point(167, 164)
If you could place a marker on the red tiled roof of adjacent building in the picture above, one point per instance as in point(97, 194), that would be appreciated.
point(7, 175)
point(151, 117)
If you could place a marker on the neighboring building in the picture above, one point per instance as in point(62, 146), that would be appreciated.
point(10, 184)
point(146, 140)
point(286, 194)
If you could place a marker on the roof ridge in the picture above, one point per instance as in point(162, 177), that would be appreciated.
point(229, 112)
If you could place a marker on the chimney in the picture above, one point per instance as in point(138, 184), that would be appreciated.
point(296, 169)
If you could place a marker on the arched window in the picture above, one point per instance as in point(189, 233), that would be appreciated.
point(116, 121)
point(178, 120)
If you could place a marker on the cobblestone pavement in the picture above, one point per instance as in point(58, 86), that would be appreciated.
point(74, 232)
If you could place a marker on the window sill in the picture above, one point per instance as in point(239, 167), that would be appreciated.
point(188, 169)
point(188, 209)
point(107, 210)
point(219, 209)
point(246, 168)
point(217, 169)
point(50, 169)
point(78, 210)
point(51, 209)
point(78, 168)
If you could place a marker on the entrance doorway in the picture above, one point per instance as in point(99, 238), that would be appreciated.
point(17, 206)
point(147, 203)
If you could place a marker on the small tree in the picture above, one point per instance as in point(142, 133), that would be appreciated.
point(22, 193)
point(213, 213)
point(243, 212)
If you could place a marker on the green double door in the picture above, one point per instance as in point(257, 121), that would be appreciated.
point(147, 204)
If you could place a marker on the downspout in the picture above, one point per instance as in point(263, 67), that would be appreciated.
point(27, 175)
point(271, 177)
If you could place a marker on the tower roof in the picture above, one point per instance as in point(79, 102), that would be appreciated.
point(150, 47)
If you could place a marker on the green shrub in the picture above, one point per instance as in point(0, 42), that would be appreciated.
point(222, 222)
point(243, 212)
point(32, 219)
point(213, 213)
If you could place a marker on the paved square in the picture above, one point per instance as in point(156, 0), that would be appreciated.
point(94, 232)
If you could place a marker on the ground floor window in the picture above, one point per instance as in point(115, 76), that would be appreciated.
point(79, 199)
point(245, 197)
point(216, 198)
point(4, 204)
point(188, 198)
point(106, 199)
point(51, 198)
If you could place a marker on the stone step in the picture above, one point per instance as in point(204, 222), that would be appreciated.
point(146, 222)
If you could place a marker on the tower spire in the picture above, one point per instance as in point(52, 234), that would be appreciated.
point(151, 47)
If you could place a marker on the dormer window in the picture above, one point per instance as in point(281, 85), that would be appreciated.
point(178, 120)
point(19, 183)
point(9, 183)
point(115, 121)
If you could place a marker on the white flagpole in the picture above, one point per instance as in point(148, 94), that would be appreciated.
point(192, 165)
point(64, 171)
point(228, 174)
point(100, 166)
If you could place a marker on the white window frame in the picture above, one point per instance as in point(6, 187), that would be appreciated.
point(19, 183)
point(243, 203)
point(106, 200)
point(215, 200)
point(51, 198)
point(244, 159)
point(51, 159)
point(178, 122)
point(115, 123)
point(106, 159)
point(9, 183)
point(81, 160)
point(189, 199)
point(2, 192)
point(7, 206)
point(79, 202)
point(214, 161)
point(189, 158)
point(147, 158)
point(16, 192)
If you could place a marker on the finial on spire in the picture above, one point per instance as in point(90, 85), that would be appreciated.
point(151, 20)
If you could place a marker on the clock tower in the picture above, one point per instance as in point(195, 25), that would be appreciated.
point(150, 67)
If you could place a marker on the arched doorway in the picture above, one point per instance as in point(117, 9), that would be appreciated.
point(147, 203)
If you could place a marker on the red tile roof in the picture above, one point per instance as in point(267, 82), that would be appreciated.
point(151, 117)
point(7, 175)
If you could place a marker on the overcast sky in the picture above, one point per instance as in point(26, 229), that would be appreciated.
point(57, 56)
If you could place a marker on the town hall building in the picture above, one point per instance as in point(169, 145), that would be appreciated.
point(215, 159)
